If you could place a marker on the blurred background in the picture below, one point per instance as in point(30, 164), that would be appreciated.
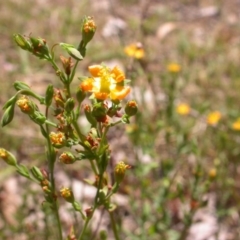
point(183, 60)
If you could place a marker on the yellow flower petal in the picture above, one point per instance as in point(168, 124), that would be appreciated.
point(118, 75)
point(94, 70)
point(119, 93)
point(101, 95)
point(87, 85)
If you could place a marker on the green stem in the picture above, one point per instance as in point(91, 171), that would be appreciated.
point(56, 68)
point(73, 72)
point(79, 133)
point(51, 157)
point(93, 167)
point(114, 227)
point(84, 229)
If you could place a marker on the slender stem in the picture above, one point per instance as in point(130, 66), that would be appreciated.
point(93, 167)
point(114, 227)
point(79, 133)
point(51, 157)
point(73, 72)
point(84, 229)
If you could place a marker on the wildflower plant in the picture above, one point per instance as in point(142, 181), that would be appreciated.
point(107, 88)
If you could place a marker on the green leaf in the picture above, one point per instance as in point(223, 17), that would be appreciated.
point(72, 51)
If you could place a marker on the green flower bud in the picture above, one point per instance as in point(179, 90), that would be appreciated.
point(8, 115)
point(99, 110)
point(69, 105)
point(22, 170)
point(8, 157)
point(80, 95)
point(72, 51)
point(89, 116)
point(22, 42)
point(49, 95)
point(18, 85)
point(36, 172)
point(38, 118)
point(40, 47)
point(131, 108)
point(76, 205)
point(10, 102)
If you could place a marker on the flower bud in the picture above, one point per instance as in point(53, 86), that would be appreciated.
point(67, 158)
point(36, 172)
point(22, 42)
point(131, 108)
point(80, 95)
point(67, 64)
point(40, 47)
point(10, 102)
point(69, 105)
point(99, 111)
point(38, 118)
point(120, 170)
point(7, 116)
point(89, 116)
point(67, 194)
point(72, 51)
point(76, 206)
point(8, 157)
point(18, 85)
point(49, 95)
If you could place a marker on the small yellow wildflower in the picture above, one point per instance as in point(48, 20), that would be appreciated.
point(58, 139)
point(173, 67)
point(67, 158)
point(212, 173)
point(24, 104)
point(106, 82)
point(67, 194)
point(120, 170)
point(135, 50)
point(236, 125)
point(213, 118)
point(183, 109)
point(89, 25)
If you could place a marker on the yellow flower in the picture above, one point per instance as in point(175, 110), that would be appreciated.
point(135, 50)
point(105, 83)
point(183, 109)
point(213, 118)
point(24, 104)
point(58, 139)
point(67, 194)
point(173, 67)
point(236, 125)
point(120, 170)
